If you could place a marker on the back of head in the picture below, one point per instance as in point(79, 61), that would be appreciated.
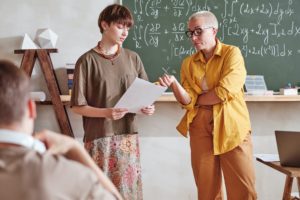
point(14, 93)
point(115, 13)
point(210, 18)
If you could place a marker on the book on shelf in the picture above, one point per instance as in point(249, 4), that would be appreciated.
point(70, 67)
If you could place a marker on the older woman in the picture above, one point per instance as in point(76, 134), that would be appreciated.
point(216, 116)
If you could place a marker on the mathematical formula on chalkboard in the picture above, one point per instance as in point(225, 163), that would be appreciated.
point(266, 31)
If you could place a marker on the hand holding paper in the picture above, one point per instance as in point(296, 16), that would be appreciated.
point(140, 94)
point(117, 113)
point(149, 110)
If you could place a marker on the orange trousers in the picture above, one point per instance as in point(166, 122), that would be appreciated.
point(236, 165)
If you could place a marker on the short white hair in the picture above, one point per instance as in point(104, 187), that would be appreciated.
point(210, 18)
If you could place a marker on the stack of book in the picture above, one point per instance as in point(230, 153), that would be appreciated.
point(70, 73)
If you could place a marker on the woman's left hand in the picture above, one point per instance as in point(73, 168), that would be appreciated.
point(149, 110)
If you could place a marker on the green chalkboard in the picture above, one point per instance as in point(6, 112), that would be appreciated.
point(266, 31)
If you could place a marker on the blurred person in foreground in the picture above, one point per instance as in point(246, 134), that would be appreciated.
point(49, 166)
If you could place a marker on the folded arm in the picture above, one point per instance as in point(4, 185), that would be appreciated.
point(208, 98)
point(231, 81)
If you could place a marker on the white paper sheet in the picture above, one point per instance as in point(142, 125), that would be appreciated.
point(141, 93)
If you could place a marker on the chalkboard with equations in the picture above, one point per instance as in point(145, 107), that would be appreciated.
point(266, 31)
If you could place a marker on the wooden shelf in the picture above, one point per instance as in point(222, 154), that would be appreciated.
point(164, 98)
point(170, 98)
point(22, 51)
point(272, 98)
point(43, 56)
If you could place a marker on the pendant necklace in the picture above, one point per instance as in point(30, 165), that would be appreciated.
point(110, 57)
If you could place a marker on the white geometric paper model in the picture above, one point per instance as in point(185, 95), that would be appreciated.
point(27, 43)
point(46, 38)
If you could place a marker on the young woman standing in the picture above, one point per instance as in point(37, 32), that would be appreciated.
point(102, 75)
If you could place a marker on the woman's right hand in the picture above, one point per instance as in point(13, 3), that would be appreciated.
point(166, 80)
point(116, 113)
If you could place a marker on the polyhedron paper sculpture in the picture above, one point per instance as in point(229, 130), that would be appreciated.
point(46, 38)
point(27, 43)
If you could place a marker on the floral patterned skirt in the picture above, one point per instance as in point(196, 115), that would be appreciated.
point(119, 157)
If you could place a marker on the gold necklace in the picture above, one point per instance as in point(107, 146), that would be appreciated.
point(110, 57)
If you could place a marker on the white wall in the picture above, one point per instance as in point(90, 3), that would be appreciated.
point(165, 154)
point(74, 21)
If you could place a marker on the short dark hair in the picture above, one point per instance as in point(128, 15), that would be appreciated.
point(14, 93)
point(115, 13)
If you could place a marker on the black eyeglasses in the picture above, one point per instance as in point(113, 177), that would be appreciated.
point(196, 32)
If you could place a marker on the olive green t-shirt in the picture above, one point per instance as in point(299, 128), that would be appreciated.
point(99, 82)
